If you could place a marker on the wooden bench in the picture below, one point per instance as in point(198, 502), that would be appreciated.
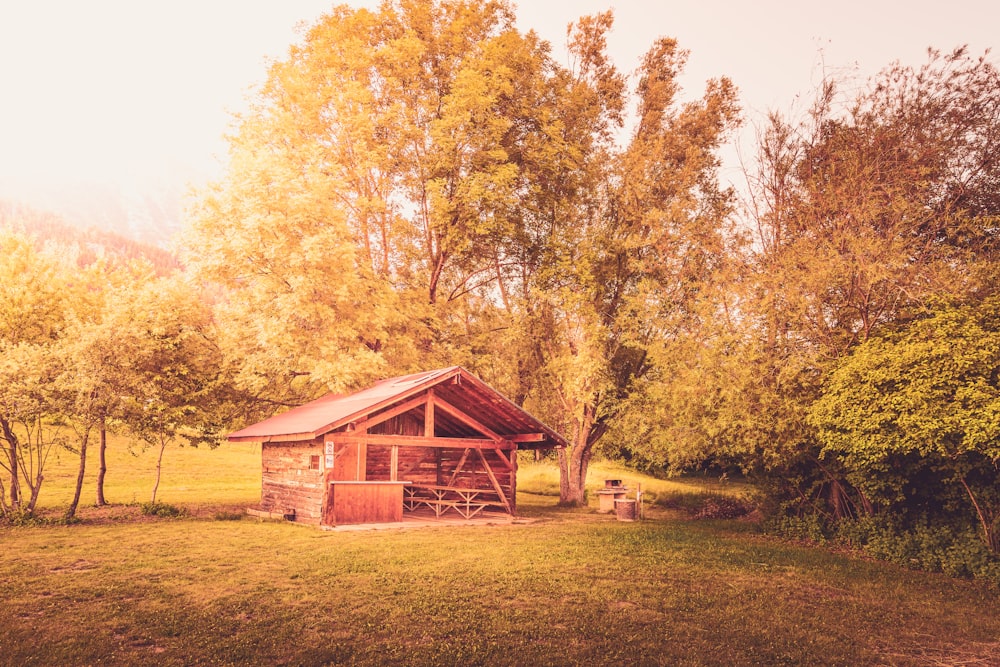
point(466, 502)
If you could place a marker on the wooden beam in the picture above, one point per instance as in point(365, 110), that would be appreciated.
point(394, 412)
point(467, 420)
point(527, 437)
point(382, 440)
point(394, 464)
point(429, 414)
point(458, 468)
point(362, 453)
point(513, 481)
point(496, 483)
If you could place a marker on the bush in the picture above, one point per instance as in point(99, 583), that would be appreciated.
point(933, 546)
point(20, 518)
point(956, 551)
point(164, 510)
point(229, 516)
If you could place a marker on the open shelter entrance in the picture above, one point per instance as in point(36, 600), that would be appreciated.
point(436, 443)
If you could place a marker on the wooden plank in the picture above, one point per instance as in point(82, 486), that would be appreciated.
point(394, 463)
point(380, 439)
point(493, 478)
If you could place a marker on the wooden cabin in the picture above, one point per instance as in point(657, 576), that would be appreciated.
point(439, 443)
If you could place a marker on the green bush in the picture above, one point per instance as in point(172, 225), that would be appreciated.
point(20, 518)
point(955, 550)
point(164, 510)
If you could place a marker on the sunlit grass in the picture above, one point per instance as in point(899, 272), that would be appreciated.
point(553, 591)
point(542, 478)
point(228, 474)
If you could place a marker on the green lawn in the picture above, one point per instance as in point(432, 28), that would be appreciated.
point(561, 587)
point(195, 476)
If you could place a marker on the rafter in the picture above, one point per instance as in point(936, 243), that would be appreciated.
point(467, 420)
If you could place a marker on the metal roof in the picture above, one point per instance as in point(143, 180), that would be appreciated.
point(454, 385)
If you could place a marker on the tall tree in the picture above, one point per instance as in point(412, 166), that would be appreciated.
point(368, 189)
point(638, 249)
point(871, 208)
point(172, 368)
point(416, 179)
point(100, 356)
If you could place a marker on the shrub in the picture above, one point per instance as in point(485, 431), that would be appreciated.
point(229, 516)
point(936, 547)
point(165, 510)
point(929, 545)
point(20, 518)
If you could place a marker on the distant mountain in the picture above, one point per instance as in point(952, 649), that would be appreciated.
point(91, 242)
point(150, 214)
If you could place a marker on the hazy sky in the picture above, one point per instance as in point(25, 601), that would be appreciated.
point(130, 91)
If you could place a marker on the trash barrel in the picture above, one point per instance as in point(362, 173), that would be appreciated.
point(625, 509)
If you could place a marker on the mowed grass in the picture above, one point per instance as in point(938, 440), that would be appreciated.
point(195, 476)
point(560, 587)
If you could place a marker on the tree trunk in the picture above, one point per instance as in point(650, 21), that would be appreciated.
point(14, 495)
point(573, 464)
point(71, 511)
point(102, 465)
point(989, 537)
point(159, 466)
point(12, 442)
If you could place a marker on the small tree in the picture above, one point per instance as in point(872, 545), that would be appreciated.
point(173, 368)
point(34, 295)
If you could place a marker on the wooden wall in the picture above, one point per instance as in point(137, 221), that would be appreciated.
point(363, 503)
point(288, 484)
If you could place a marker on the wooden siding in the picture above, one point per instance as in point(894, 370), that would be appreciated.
point(287, 483)
point(358, 502)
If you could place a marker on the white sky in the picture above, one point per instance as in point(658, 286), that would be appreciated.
point(128, 92)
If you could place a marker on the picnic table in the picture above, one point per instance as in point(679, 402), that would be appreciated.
point(467, 502)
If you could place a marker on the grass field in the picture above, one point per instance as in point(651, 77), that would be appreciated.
point(559, 587)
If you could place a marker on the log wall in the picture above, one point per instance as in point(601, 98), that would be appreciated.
point(287, 483)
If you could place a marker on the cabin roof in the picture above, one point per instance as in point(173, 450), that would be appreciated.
point(454, 385)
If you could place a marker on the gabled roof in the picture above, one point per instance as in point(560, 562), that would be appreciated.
point(454, 385)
